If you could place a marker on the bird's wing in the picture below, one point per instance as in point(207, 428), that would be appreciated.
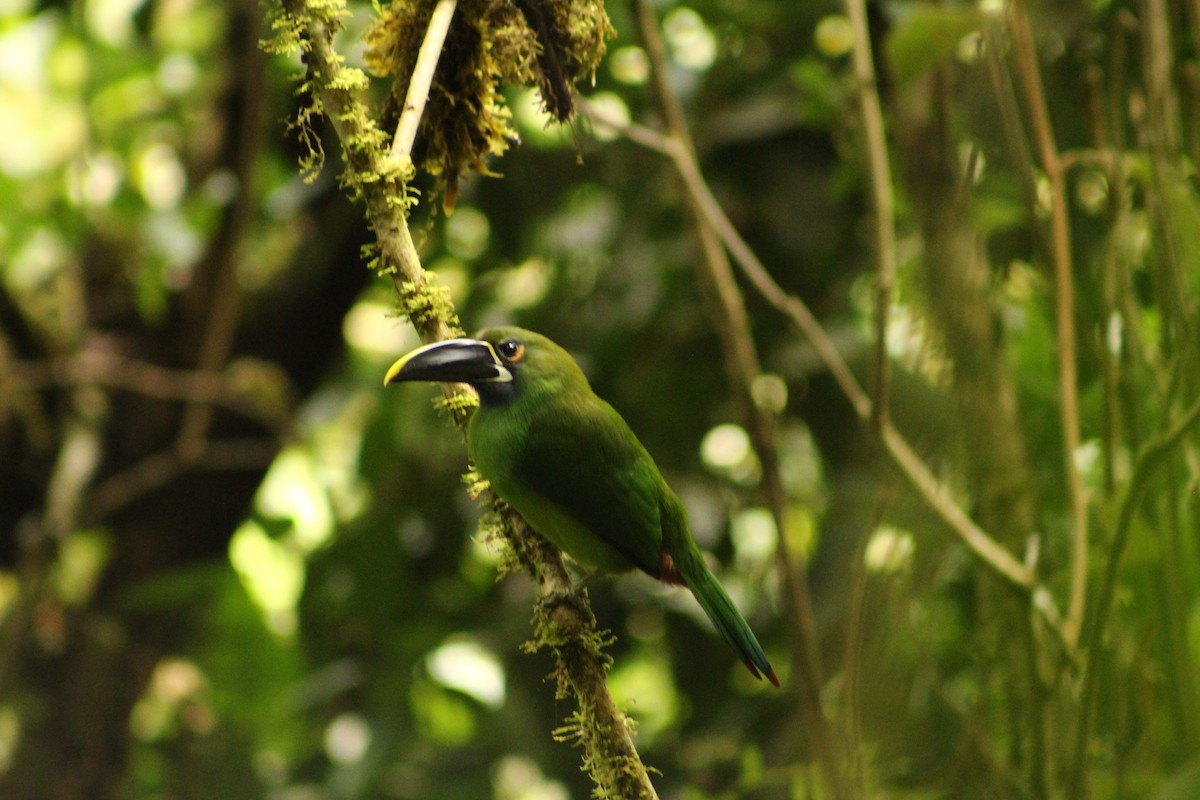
point(591, 466)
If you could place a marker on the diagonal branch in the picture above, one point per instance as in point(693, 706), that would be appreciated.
point(742, 365)
point(879, 170)
point(422, 80)
point(563, 621)
point(1060, 253)
point(935, 495)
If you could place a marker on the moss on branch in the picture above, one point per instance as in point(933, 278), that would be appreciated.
point(563, 620)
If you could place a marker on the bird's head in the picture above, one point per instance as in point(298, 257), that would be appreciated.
point(497, 363)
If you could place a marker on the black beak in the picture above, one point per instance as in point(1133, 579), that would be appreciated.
point(453, 361)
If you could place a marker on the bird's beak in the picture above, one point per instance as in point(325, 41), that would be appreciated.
point(452, 361)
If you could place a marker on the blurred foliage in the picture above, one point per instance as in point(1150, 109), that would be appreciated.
point(233, 565)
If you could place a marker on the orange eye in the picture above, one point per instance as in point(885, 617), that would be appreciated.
point(512, 350)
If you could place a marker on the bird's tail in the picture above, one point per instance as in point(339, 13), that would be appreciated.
point(724, 615)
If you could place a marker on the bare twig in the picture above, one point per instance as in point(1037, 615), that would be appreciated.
point(1060, 252)
point(879, 170)
point(110, 370)
point(158, 469)
point(742, 366)
point(214, 301)
point(78, 459)
point(421, 80)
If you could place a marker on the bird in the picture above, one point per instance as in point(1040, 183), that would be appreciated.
point(570, 465)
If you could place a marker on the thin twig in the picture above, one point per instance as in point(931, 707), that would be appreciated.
point(742, 365)
point(214, 300)
point(111, 370)
point(1152, 454)
point(879, 170)
point(158, 469)
point(935, 495)
point(78, 458)
point(1060, 252)
point(421, 80)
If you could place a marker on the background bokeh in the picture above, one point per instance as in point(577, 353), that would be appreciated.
point(233, 565)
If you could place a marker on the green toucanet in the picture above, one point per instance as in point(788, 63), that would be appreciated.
point(570, 465)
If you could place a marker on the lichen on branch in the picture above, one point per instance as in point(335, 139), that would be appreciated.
point(549, 44)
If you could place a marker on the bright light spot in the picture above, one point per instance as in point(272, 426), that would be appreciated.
point(910, 341)
point(470, 668)
point(725, 446)
point(467, 233)
point(1115, 333)
point(1091, 188)
point(800, 461)
point(160, 175)
point(611, 106)
point(38, 260)
point(347, 739)
point(178, 73)
point(524, 285)
point(889, 550)
point(800, 529)
point(10, 736)
point(93, 180)
point(629, 65)
point(10, 591)
point(536, 126)
point(293, 490)
point(1024, 282)
point(171, 695)
point(971, 47)
point(480, 553)
point(645, 688)
point(726, 450)
point(520, 778)
point(81, 557)
point(41, 132)
point(1045, 194)
point(12, 8)
point(834, 36)
point(24, 49)
point(272, 574)
point(179, 244)
point(68, 65)
point(41, 129)
point(175, 680)
point(692, 44)
point(972, 158)
point(754, 534)
point(371, 327)
point(770, 393)
point(111, 21)
point(1087, 456)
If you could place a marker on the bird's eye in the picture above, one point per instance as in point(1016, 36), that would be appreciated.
point(512, 350)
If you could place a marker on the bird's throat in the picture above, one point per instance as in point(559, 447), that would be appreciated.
point(496, 393)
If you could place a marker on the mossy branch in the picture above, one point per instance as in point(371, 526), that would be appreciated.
point(563, 621)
